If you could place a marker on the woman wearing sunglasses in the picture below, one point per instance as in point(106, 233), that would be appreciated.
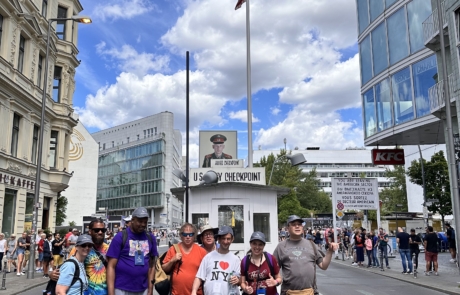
point(186, 263)
point(64, 284)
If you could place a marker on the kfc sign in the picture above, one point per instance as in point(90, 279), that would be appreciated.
point(388, 157)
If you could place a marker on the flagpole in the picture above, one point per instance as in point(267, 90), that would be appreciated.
point(248, 74)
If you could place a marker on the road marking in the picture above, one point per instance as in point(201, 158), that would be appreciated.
point(364, 292)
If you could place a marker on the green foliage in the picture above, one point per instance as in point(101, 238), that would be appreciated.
point(62, 232)
point(61, 209)
point(305, 194)
point(396, 193)
point(72, 223)
point(437, 184)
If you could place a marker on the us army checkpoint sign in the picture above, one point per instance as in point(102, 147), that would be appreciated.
point(355, 193)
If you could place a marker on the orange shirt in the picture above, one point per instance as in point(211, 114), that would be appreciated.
point(182, 282)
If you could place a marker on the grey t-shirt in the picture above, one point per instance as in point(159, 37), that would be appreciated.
point(22, 241)
point(297, 260)
point(73, 239)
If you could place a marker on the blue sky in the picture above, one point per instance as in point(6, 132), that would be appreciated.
point(305, 69)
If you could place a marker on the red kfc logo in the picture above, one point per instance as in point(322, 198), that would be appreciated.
point(388, 157)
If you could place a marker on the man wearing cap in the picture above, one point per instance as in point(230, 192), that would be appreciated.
point(220, 269)
point(131, 265)
point(298, 258)
point(218, 146)
point(206, 238)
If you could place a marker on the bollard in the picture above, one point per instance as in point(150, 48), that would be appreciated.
point(4, 277)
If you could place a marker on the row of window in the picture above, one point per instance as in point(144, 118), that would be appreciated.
point(131, 165)
point(369, 10)
point(131, 153)
point(132, 177)
point(400, 98)
point(131, 202)
point(395, 38)
point(34, 151)
point(131, 189)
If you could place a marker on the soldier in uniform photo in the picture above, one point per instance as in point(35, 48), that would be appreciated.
point(218, 145)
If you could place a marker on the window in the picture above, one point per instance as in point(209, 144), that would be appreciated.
point(35, 144)
point(232, 215)
point(103, 146)
point(155, 130)
point(44, 8)
point(388, 3)
point(60, 25)
point(402, 96)
point(15, 135)
point(369, 113)
point(200, 220)
point(397, 36)
point(1, 28)
point(53, 149)
point(366, 61)
point(375, 8)
point(417, 12)
point(383, 100)
point(113, 143)
point(57, 83)
point(127, 140)
point(145, 133)
point(40, 71)
point(262, 224)
point(29, 211)
point(379, 49)
point(9, 212)
point(22, 45)
point(423, 74)
point(363, 15)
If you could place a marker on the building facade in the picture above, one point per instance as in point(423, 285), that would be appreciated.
point(136, 161)
point(333, 163)
point(23, 27)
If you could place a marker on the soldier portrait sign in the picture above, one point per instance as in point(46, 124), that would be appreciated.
point(215, 144)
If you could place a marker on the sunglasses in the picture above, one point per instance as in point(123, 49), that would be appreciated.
point(188, 234)
point(87, 246)
point(96, 230)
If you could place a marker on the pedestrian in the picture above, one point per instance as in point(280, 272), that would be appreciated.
point(47, 254)
point(431, 251)
point(21, 249)
point(206, 238)
point(299, 273)
point(11, 253)
point(131, 263)
point(318, 239)
point(40, 252)
point(220, 269)
point(259, 270)
point(375, 240)
point(402, 239)
point(383, 248)
point(368, 245)
point(3, 248)
point(450, 233)
point(184, 264)
point(58, 256)
point(414, 243)
point(64, 285)
point(38, 262)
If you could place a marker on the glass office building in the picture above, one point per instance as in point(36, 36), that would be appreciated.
point(135, 167)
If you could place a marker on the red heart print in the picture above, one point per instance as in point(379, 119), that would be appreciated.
point(224, 265)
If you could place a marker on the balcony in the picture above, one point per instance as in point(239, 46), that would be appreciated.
point(431, 32)
point(436, 95)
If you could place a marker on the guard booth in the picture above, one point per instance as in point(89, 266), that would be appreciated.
point(246, 207)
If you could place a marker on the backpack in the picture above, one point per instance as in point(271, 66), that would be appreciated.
point(162, 280)
point(51, 286)
point(125, 238)
point(268, 258)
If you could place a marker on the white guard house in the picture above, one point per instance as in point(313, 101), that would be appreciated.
point(240, 199)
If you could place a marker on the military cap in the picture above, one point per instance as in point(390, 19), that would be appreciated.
point(218, 138)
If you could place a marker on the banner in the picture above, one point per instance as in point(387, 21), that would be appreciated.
point(244, 175)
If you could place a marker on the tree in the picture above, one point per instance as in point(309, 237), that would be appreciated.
point(311, 196)
point(289, 205)
point(396, 193)
point(61, 209)
point(437, 184)
point(72, 223)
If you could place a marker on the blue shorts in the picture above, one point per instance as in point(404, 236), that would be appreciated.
point(20, 251)
point(40, 256)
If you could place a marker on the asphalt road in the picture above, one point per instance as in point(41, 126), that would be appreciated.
point(344, 280)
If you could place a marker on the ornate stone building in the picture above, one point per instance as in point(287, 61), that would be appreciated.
point(23, 29)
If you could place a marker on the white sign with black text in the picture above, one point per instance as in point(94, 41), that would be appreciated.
point(235, 163)
point(355, 193)
point(244, 175)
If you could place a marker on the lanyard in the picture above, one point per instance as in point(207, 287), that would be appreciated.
point(258, 273)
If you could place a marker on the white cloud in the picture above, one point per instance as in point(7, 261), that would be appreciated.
point(122, 9)
point(243, 116)
point(275, 111)
point(129, 60)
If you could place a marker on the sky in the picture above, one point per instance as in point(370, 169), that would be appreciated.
point(304, 63)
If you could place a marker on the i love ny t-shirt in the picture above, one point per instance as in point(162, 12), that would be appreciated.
point(215, 270)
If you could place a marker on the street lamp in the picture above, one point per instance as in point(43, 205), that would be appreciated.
point(296, 160)
point(78, 19)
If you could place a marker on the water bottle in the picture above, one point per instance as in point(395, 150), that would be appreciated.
point(232, 289)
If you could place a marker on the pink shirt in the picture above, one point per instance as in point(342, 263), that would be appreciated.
point(368, 244)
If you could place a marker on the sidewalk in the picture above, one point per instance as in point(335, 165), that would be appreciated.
point(17, 284)
point(448, 280)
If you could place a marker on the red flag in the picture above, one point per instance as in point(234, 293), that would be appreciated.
point(238, 5)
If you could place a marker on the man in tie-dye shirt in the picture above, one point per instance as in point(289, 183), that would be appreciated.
point(95, 262)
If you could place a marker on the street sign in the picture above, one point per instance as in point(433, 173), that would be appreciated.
point(340, 206)
point(355, 193)
point(163, 215)
point(340, 214)
point(432, 200)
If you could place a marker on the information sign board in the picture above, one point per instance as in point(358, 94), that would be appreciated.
point(355, 193)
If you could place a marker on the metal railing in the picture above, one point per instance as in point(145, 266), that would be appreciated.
point(436, 93)
point(430, 25)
